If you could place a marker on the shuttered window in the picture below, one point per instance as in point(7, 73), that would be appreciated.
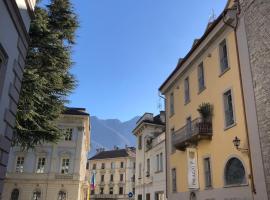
point(187, 95)
point(201, 77)
point(223, 53)
point(228, 108)
point(207, 172)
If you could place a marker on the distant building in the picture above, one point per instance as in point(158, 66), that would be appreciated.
point(114, 173)
point(14, 40)
point(53, 171)
point(150, 157)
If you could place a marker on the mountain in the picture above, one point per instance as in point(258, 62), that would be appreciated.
point(111, 132)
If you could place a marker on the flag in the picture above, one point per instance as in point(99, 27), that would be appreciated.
point(93, 181)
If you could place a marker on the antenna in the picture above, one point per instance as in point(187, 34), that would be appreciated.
point(212, 16)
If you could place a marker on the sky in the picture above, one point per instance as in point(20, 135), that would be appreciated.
point(127, 48)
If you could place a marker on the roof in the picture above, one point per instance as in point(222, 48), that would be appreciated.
point(75, 111)
point(209, 28)
point(118, 153)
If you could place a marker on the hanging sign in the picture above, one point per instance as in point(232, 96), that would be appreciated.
point(193, 182)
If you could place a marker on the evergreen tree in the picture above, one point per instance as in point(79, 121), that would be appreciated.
point(47, 81)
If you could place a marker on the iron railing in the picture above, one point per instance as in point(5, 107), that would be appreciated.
point(191, 133)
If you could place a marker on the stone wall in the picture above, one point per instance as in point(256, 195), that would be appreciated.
point(256, 15)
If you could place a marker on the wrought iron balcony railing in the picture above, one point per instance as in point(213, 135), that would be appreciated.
point(192, 133)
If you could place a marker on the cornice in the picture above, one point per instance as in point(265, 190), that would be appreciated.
point(16, 17)
point(30, 8)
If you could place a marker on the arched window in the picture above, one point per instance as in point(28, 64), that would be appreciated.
point(62, 195)
point(36, 195)
point(235, 172)
point(15, 194)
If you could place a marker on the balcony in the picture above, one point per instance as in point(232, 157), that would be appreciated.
point(104, 196)
point(192, 133)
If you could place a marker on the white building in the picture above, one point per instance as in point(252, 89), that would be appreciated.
point(114, 172)
point(150, 157)
point(53, 171)
point(15, 17)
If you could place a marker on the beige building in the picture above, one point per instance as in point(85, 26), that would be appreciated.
point(14, 25)
point(53, 171)
point(150, 157)
point(114, 173)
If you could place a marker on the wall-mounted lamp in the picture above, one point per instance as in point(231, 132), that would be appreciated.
point(236, 142)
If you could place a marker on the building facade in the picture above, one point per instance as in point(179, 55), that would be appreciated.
point(14, 40)
point(207, 143)
point(53, 171)
point(150, 157)
point(114, 174)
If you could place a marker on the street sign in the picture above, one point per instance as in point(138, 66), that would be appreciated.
point(130, 195)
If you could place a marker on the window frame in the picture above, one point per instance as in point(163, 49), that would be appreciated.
point(19, 169)
point(174, 183)
point(210, 172)
point(201, 77)
point(44, 166)
point(64, 167)
point(220, 53)
point(224, 109)
point(186, 90)
point(68, 134)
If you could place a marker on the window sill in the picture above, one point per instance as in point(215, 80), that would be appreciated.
point(236, 185)
point(171, 115)
point(230, 126)
point(227, 69)
point(201, 90)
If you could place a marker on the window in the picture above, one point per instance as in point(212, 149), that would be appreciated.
point(94, 166)
point(161, 162)
point(133, 178)
point(68, 134)
point(173, 149)
point(19, 164)
point(140, 170)
point(148, 196)
point(111, 179)
point(139, 197)
point(133, 191)
point(102, 165)
point(112, 165)
point(188, 125)
point(201, 77)
point(228, 108)
point(87, 166)
point(111, 190)
point(159, 196)
point(122, 165)
point(207, 172)
point(102, 178)
point(41, 165)
point(92, 192)
point(235, 172)
point(15, 194)
point(140, 142)
point(62, 195)
point(121, 177)
point(36, 195)
point(120, 190)
point(101, 190)
point(134, 165)
point(223, 54)
point(65, 166)
point(174, 189)
point(157, 157)
point(187, 96)
point(148, 167)
point(172, 104)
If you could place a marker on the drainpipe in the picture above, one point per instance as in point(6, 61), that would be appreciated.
point(253, 188)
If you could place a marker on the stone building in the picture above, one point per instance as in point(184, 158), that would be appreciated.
point(114, 173)
point(150, 157)
point(53, 171)
point(14, 22)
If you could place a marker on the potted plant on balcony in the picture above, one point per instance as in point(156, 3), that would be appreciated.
point(206, 112)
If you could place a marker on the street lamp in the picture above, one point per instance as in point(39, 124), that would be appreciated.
point(236, 142)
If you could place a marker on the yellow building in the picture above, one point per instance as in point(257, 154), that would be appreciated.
point(203, 162)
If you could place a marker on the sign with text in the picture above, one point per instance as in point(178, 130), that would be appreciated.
point(193, 182)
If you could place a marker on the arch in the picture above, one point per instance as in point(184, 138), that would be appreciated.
point(62, 195)
point(15, 194)
point(234, 172)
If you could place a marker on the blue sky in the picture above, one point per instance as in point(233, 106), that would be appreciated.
point(126, 49)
